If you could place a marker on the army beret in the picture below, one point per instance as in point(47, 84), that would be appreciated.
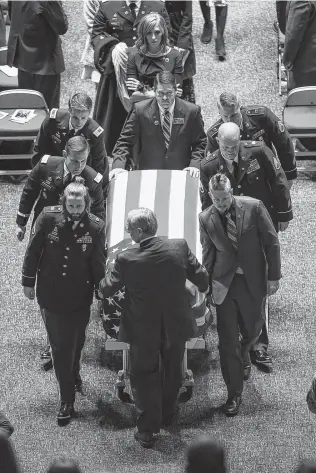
point(95, 219)
point(256, 111)
point(53, 209)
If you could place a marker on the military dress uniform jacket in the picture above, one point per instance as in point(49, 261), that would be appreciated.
point(260, 123)
point(45, 186)
point(259, 175)
point(299, 54)
point(143, 127)
point(34, 44)
point(67, 263)
point(54, 134)
point(114, 18)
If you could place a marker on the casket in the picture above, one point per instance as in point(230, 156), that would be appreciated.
point(174, 197)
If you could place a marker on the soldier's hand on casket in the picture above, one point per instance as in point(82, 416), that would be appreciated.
point(273, 286)
point(132, 84)
point(115, 172)
point(283, 226)
point(194, 172)
point(29, 292)
point(20, 232)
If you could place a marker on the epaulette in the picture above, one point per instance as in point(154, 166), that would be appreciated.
point(213, 131)
point(95, 219)
point(45, 158)
point(255, 111)
point(98, 131)
point(252, 144)
point(53, 113)
point(54, 209)
point(98, 178)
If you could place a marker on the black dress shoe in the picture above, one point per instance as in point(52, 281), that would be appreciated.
point(78, 385)
point(247, 372)
point(262, 359)
point(46, 354)
point(65, 413)
point(146, 439)
point(206, 36)
point(220, 48)
point(232, 405)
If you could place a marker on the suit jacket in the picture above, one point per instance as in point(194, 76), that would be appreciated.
point(34, 44)
point(154, 277)
point(259, 175)
point(44, 187)
point(143, 127)
point(300, 43)
point(258, 248)
point(67, 264)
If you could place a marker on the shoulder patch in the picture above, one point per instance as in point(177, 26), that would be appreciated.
point(281, 126)
point(54, 209)
point(252, 144)
point(45, 158)
point(95, 219)
point(277, 163)
point(255, 111)
point(53, 113)
point(98, 131)
point(98, 178)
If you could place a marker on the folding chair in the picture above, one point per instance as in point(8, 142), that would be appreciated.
point(299, 117)
point(6, 81)
point(281, 71)
point(10, 100)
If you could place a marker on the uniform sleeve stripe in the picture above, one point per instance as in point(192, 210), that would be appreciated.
point(286, 212)
point(29, 277)
point(23, 215)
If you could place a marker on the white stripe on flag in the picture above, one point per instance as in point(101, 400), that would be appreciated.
point(176, 204)
point(118, 209)
point(148, 189)
point(198, 250)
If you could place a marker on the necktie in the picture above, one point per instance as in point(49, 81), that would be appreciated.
point(166, 128)
point(132, 7)
point(232, 231)
point(67, 179)
point(235, 166)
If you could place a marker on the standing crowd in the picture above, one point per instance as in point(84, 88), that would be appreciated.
point(140, 54)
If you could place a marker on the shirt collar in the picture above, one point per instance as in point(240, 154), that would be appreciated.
point(137, 2)
point(170, 109)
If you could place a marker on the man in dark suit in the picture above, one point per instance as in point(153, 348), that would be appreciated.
point(66, 256)
point(34, 46)
point(115, 24)
point(299, 56)
point(62, 124)
point(156, 319)
point(168, 131)
point(241, 253)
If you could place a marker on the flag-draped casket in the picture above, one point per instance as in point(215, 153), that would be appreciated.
point(174, 197)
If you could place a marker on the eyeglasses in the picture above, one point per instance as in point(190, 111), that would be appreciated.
point(167, 94)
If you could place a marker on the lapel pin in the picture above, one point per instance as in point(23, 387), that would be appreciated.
point(156, 122)
point(166, 59)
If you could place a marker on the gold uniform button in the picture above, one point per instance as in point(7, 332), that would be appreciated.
point(241, 193)
point(64, 266)
point(64, 274)
point(257, 177)
point(66, 257)
point(134, 29)
point(134, 37)
point(75, 236)
point(67, 248)
point(239, 187)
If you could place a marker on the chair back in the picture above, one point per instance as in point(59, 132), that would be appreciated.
point(22, 98)
point(301, 97)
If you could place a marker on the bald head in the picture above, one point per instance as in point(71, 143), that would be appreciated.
point(205, 456)
point(229, 130)
point(229, 140)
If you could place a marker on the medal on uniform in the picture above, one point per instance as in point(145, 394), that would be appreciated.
point(84, 247)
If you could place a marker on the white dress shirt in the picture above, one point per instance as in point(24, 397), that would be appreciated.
point(162, 114)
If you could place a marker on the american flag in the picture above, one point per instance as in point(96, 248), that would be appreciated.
point(173, 196)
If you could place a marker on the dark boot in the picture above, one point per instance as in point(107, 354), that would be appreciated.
point(206, 36)
point(221, 16)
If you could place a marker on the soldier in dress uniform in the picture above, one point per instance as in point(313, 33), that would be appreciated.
point(115, 24)
point(48, 179)
point(63, 124)
point(256, 123)
point(253, 171)
point(66, 255)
